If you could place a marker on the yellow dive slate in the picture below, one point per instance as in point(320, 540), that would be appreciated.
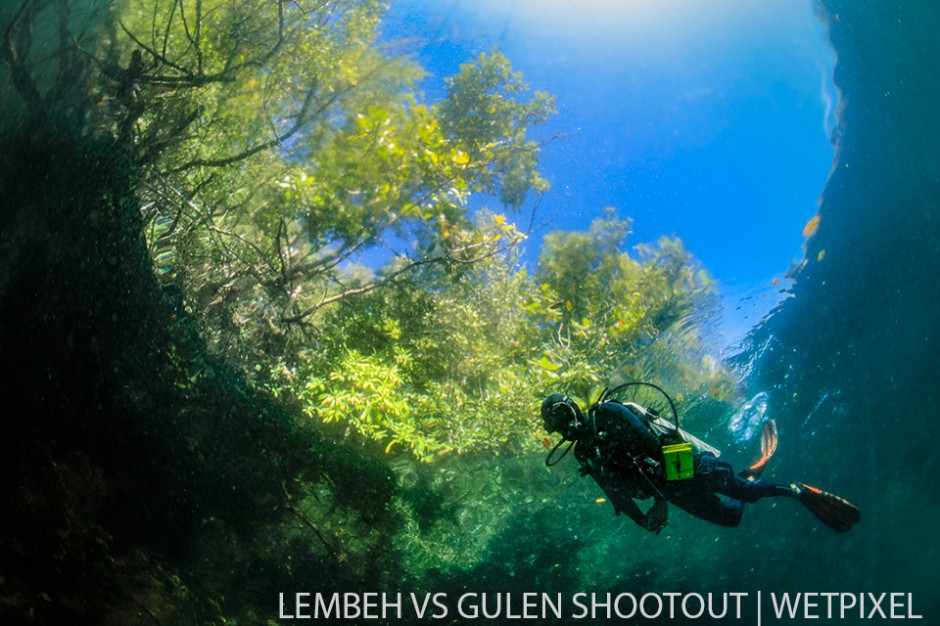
point(678, 460)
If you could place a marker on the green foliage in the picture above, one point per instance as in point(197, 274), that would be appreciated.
point(277, 144)
point(459, 362)
point(482, 115)
point(426, 371)
point(605, 312)
point(374, 168)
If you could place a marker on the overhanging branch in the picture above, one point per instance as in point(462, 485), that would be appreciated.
point(451, 258)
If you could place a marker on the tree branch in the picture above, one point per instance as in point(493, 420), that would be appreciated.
point(394, 276)
point(303, 117)
point(13, 52)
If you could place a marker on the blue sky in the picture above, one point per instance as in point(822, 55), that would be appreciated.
point(706, 120)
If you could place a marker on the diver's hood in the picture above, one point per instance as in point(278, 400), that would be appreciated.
point(561, 414)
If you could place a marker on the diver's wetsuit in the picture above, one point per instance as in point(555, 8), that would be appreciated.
point(624, 456)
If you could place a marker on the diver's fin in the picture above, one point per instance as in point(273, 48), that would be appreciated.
point(768, 447)
point(837, 513)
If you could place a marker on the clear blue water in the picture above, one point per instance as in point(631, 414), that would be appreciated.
point(709, 122)
point(850, 360)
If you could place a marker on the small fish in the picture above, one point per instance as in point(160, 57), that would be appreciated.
point(601, 500)
point(811, 226)
point(821, 255)
point(547, 442)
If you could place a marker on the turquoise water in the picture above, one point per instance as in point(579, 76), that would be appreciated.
point(850, 360)
point(138, 492)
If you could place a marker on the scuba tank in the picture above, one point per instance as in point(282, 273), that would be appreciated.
point(667, 431)
point(678, 446)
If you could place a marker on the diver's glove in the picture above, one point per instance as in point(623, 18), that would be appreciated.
point(657, 517)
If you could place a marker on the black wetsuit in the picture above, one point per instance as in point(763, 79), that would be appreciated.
point(624, 455)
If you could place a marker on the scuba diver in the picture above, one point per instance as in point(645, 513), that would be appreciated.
point(634, 453)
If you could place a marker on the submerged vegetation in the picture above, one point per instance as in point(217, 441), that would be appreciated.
point(258, 336)
point(459, 364)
